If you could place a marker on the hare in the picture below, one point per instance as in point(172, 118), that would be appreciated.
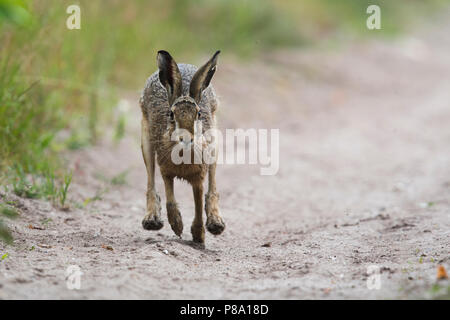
point(178, 96)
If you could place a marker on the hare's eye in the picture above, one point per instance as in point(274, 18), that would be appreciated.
point(171, 115)
point(198, 114)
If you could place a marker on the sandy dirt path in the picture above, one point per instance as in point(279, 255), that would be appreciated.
point(364, 179)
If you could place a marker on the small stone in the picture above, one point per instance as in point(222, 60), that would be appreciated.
point(106, 247)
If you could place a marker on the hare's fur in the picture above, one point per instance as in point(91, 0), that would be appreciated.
point(157, 102)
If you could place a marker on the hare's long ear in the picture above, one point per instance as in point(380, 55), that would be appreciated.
point(202, 78)
point(169, 75)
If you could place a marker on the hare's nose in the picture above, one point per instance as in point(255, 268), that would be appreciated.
point(182, 139)
point(185, 139)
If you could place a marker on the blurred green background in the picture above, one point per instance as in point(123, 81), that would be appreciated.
point(58, 86)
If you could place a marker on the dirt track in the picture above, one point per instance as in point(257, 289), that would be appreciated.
point(364, 180)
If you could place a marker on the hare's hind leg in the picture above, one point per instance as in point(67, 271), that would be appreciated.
point(214, 223)
point(173, 213)
point(152, 219)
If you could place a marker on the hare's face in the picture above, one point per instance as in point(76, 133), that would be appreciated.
point(185, 112)
point(187, 123)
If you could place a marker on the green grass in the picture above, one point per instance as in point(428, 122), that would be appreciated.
point(9, 212)
point(61, 194)
point(440, 292)
point(120, 179)
point(42, 186)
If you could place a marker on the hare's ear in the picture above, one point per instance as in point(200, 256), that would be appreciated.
point(202, 78)
point(169, 75)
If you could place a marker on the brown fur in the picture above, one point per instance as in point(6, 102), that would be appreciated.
point(178, 95)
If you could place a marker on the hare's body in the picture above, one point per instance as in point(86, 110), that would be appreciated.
point(179, 96)
point(155, 106)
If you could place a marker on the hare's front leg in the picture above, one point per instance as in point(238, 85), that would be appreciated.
point(214, 223)
point(173, 213)
point(197, 229)
point(152, 219)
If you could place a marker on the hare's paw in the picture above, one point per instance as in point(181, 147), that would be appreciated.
point(152, 220)
point(174, 216)
point(198, 233)
point(215, 225)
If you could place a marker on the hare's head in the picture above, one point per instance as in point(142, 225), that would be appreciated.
point(184, 109)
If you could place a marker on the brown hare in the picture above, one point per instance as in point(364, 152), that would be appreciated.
point(179, 96)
